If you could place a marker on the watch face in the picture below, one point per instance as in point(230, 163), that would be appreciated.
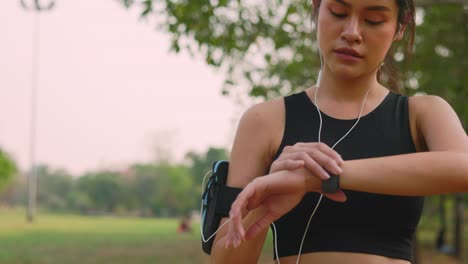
point(331, 185)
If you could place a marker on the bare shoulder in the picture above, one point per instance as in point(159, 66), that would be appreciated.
point(265, 120)
point(427, 102)
point(256, 138)
point(430, 108)
point(266, 113)
point(437, 123)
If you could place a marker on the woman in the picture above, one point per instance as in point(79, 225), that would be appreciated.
point(387, 151)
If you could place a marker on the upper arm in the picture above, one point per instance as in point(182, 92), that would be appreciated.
point(438, 125)
point(252, 152)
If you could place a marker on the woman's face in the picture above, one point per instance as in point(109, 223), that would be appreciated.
point(355, 35)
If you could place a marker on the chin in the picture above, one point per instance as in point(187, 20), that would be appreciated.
point(346, 72)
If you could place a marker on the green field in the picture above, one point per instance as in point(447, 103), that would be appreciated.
point(67, 239)
point(86, 240)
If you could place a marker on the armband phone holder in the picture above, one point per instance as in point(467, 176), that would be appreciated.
point(216, 203)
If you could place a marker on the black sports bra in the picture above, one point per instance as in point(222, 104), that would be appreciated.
point(367, 223)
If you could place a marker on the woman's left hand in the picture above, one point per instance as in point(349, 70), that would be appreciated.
point(277, 193)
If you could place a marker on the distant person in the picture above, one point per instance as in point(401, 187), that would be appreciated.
point(185, 225)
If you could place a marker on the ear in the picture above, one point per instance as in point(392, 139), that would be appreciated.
point(400, 33)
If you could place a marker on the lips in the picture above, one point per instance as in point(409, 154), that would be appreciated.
point(349, 52)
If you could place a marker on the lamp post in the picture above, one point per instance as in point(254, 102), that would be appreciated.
point(32, 177)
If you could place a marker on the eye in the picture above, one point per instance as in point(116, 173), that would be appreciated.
point(373, 23)
point(374, 18)
point(338, 15)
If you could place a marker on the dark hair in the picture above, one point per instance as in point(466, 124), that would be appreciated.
point(388, 74)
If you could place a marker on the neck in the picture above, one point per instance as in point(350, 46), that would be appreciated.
point(345, 89)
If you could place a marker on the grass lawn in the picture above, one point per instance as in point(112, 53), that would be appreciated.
point(70, 239)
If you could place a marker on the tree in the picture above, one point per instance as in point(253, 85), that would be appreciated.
point(54, 187)
point(161, 189)
point(440, 58)
point(174, 195)
point(201, 163)
point(7, 169)
point(145, 187)
point(269, 46)
point(105, 190)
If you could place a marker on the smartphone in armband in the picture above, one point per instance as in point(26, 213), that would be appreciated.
point(216, 203)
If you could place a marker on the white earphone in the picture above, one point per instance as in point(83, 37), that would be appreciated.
point(334, 145)
point(319, 77)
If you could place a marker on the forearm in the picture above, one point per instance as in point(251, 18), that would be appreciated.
point(418, 174)
point(248, 252)
point(255, 201)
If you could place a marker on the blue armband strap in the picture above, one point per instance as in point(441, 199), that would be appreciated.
point(217, 199)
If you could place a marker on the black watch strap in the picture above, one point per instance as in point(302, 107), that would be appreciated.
point(331, 185)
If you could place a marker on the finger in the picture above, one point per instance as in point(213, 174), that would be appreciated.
point(230, 235)
point(338, 196)
point(255, 193)
point(254, 202)
point(307, 146)
point(233, 236)
point(288, 149)
point(286, 164)
point(259, 226)
point(325, 161)
point(228, 242)
point(321, 153)
point(330, 152)
point(311, 165)
point(239, 209)
point(285, 155)
point(237, 229)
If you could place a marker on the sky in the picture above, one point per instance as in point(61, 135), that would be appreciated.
point(109, 92)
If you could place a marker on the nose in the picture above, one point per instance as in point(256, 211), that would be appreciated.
point(351, 32)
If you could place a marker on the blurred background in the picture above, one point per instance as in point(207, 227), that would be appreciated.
point(112, 111)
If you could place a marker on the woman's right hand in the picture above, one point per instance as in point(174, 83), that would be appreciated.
point(318, 158)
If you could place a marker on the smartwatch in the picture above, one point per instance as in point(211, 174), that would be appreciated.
point(331, 185)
